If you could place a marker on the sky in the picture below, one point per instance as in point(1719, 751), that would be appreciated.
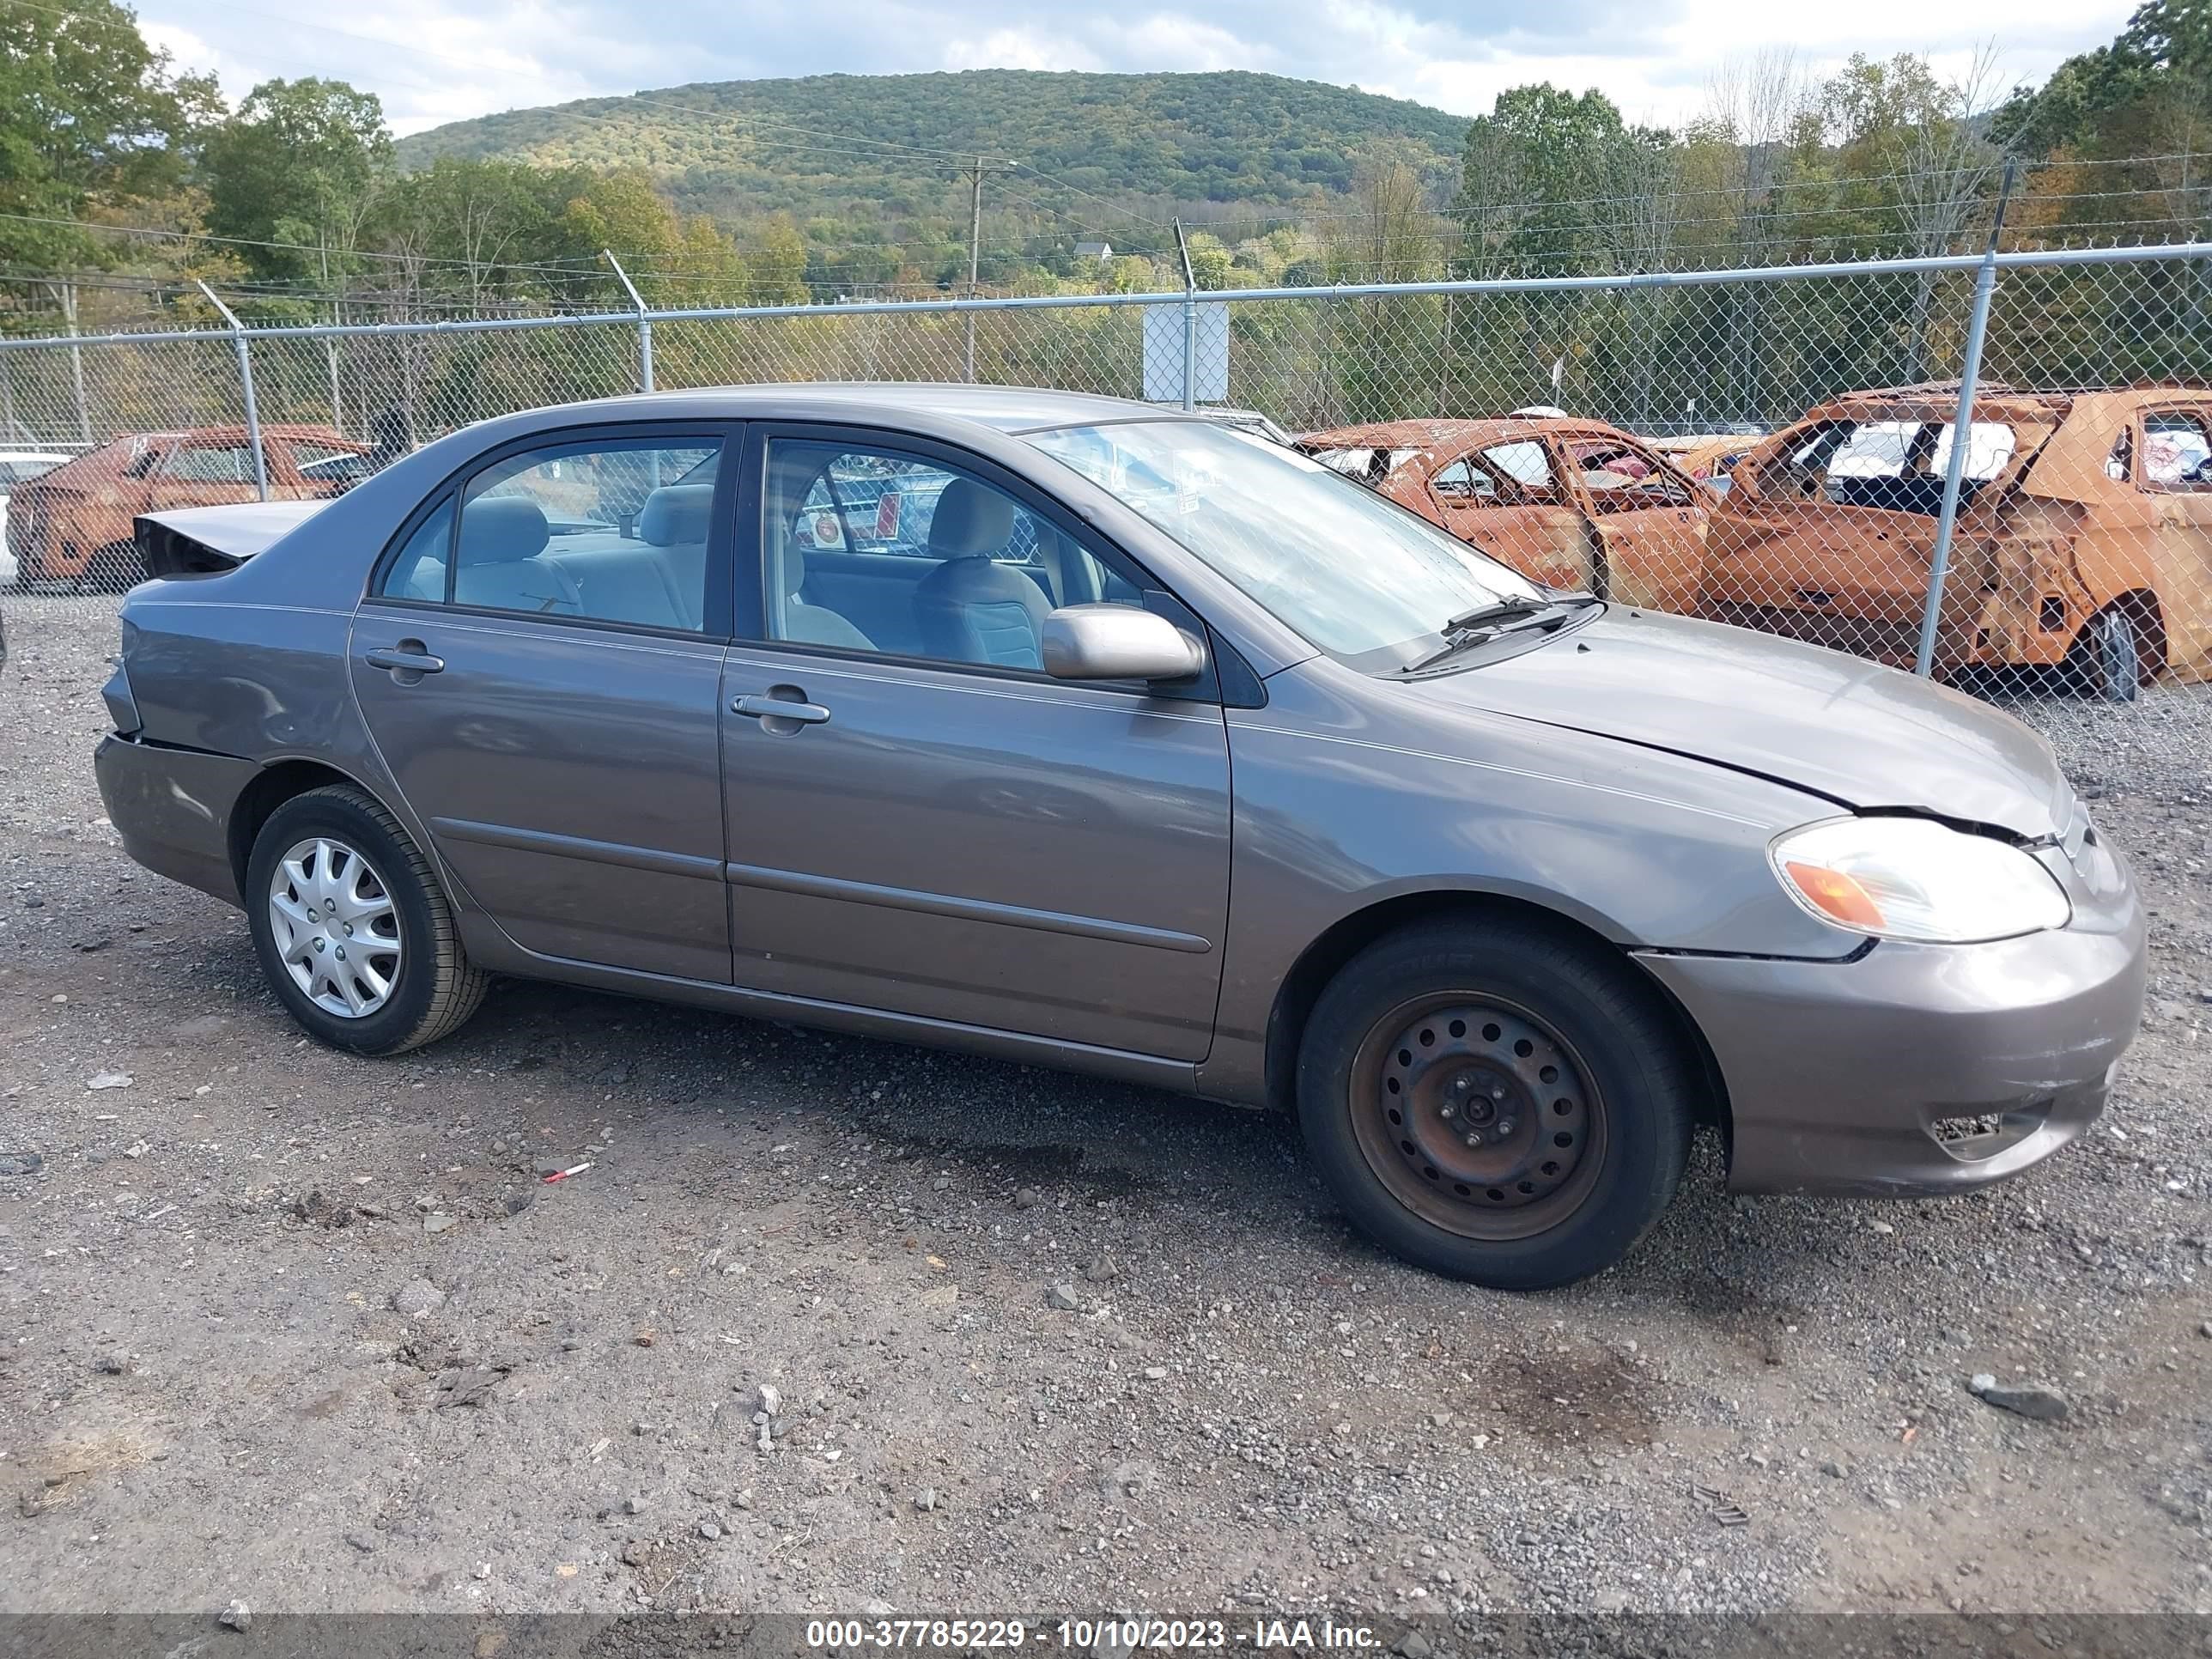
point(433, 61)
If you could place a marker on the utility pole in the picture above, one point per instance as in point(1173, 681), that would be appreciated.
point(975, 256)
point(974, 176)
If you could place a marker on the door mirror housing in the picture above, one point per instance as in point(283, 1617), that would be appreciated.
point(1117, 642)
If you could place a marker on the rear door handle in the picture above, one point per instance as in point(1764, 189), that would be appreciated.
point(411, 658)
point(769, 710)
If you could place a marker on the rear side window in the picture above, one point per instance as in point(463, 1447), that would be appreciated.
point(419, 572)
point(199, 463)
point(2174, 453)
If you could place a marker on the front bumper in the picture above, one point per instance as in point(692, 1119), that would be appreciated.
point(1916, 1069)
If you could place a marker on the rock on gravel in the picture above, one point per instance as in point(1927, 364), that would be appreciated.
point(419, 1299)
point(2043, 1405)
point(237, 1616)
point(1063, 1297)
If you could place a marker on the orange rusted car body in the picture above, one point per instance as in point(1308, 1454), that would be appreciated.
point(1574, 504)
point(74, 523)
point(2075, 507)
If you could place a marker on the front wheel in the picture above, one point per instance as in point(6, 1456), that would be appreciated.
point(353, 932)
point(1496, 1102)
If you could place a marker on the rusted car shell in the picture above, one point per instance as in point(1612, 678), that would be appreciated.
point(1646, 550)
point(2074, 528)
point(74, 522)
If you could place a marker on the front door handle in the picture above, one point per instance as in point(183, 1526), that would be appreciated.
point(782, 715)
point(408, 663)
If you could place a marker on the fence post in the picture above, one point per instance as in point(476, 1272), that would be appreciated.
point(644, 323)
point(1962, 436)
point(68, 292)
point(246, 380)
point(1189, 323)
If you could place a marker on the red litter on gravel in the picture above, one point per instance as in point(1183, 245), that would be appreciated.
point(562, 1175)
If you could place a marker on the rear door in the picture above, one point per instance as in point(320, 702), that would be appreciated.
point(946, 832)
point(541, 671)
point(2173, 470)
point(1647, 519)
point(1508, 501)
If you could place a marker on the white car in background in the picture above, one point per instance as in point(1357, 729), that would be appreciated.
point(19, 466)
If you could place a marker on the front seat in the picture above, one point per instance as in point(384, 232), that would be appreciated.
point(497, 563)
point(970, 608)
point(813, 624)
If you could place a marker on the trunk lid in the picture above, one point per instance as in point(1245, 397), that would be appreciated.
point(202, 541)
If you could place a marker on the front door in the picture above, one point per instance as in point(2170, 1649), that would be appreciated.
point(1650, 525)
point(936, 827)
point(542, 679)
point(1506, 500)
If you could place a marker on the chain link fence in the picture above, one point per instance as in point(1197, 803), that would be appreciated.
point(1774, 448)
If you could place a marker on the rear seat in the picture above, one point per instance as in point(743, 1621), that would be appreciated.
point(658, 580)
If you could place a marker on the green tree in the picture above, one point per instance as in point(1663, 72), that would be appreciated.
point(296, 170)
point(89, 113)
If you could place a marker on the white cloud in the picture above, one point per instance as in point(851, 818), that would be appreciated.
point(439, 60)
point(1165, 37)
point(1017, 48)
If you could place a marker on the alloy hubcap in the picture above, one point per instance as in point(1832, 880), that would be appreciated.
point(335, 928)
point(1477, 1116)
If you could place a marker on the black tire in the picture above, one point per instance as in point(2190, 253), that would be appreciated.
point(1561, 1008)
point(114, 568)
point(2114, 633)
point(435, 989)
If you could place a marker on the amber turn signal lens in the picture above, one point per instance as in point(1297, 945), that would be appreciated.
point(1836, 894)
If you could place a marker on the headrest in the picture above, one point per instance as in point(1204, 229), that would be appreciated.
point(676, 513)
point(969, 519)
point(794, 566)
point(501, 529)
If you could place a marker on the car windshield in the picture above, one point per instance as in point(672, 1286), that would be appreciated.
point(1357, 576)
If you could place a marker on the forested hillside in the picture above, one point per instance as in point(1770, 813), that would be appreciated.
point(868, 147)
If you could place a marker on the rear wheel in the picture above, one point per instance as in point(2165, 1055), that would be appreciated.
point(113, 568)
point(353, 932)
point(1498, 1102)
point(2117, 669)
point(2118, 651)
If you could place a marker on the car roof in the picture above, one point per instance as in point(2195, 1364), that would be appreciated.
point(1429, 435)
point(1011, 409)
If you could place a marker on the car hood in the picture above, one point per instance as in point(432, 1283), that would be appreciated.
point(1864, 735)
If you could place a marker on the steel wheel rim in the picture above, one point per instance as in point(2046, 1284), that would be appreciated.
point(335, 928)
point(1438, 1069)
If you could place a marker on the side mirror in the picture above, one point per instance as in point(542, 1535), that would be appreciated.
point(1117, 642)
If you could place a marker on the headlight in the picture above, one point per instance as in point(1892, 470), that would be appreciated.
point(1917, 879)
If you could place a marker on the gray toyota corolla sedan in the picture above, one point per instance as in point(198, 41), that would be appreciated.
point(1080, 732)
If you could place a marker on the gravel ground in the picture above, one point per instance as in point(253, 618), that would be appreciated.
point(305, 1331)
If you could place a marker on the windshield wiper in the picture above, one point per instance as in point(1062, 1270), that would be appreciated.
point(1487, 622)
point(1506, 611)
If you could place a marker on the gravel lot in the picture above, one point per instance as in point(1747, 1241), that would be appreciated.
point(306, 1331)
